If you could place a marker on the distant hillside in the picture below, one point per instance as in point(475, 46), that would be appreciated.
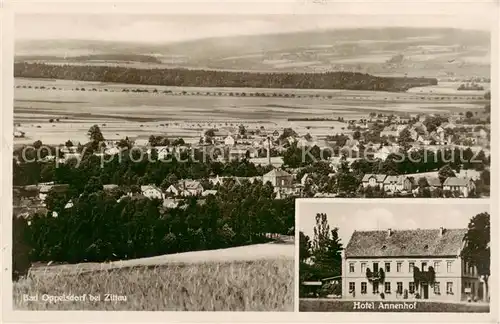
point(210, 78)
point(383, 51)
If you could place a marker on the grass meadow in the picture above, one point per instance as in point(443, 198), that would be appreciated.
point(263, 285)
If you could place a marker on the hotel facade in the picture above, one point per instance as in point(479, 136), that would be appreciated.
point(408, 265)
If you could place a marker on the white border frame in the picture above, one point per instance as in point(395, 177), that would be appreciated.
point(278, 7)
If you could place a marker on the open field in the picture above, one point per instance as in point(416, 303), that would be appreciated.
point(329, 305)
point(139, 115)
point(265, 285)
point(252, 278)
point(249, 253)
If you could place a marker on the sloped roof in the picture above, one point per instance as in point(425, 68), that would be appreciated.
point(433, 181)
point(147, 187)
point(189, 184)
point(209, 192)
point(401, 243)
point(378, 177)
point(393, 179)
point(109, 186)
point(454, 181)
point(277, 173)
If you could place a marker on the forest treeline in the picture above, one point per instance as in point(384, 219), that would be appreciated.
point(101, 227)
point(212, 78)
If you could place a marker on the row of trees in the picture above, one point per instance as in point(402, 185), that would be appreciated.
point(213, 78)
point(403, 162)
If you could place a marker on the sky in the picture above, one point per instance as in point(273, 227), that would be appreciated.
point(382, 216)
point(173, 28)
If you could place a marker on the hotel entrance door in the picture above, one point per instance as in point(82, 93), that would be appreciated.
point(425, 291)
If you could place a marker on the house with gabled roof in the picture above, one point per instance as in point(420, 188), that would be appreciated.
point(373, 180)
point(229, 140)
point(152, 192)
point(408, 264)
point(185, 188)
point(282, 182)
point(278, 178)
point(398, 183)
point(465, 186)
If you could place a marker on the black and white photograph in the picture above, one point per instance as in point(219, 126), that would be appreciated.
point(394, 257)
point(157, 159)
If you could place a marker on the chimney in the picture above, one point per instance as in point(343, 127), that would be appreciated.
point(441, 231)
point(389, 232)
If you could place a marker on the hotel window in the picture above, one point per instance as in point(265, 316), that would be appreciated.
point(375, 266)
point(399, 265)
point(424, 266)
point(351, 267)
point(449, 287)
point(352, 287)
point(411, 287)
point(400, 287)
point(448, 266)
point(363, 267)
point(375, 287)
point(471, 269)
point(387, 287)
point(387, 267)
point(436, 266)
point(437, 288)
point(410, 266)
point(363, 287)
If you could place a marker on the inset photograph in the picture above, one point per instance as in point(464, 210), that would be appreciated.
point(395, 256)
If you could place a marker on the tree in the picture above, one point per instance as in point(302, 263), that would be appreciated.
point(304, 246)
point(210, 132)
point(95, 134)
point(405, 138)
point(20, 248)
point(422, 182)
point(242, 130)
point(477, 247)
point(356, 135)
point(287, 132)
point(69, 144)
point(168, 181)
point(124, 143)
point(445, 172)
point(93, 185)
point(326, 249)
point(179, 142)
point(469, 114)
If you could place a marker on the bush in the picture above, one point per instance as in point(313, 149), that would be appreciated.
point(20, 249)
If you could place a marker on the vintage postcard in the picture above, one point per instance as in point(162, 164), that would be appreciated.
point(156, 154)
